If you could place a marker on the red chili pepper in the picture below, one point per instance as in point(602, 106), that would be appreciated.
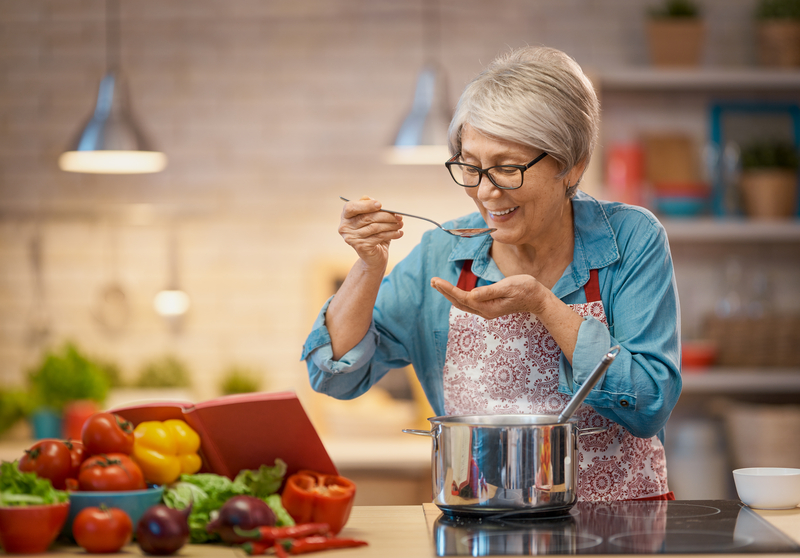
point(267, 534)
point(317, 543)
point(280, 552)
point(254, 548)
point(312, 497)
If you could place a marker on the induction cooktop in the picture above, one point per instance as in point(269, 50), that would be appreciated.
point(657, 527)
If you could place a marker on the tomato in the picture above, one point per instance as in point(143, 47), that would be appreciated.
point(107, 433)
point(49, 459)
point(102, 529)
point(114, 471)
point(77, 453)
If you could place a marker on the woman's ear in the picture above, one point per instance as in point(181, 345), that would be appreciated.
point(575, 174)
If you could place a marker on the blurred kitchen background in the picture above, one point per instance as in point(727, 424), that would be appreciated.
point(268, 111)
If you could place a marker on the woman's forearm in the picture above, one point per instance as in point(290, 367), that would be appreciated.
point(562, 322)
point(349, 314)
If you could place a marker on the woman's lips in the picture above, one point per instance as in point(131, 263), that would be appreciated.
point(503, 214)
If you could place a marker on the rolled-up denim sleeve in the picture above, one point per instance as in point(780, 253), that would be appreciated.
point(347, 377)
point(642, 385)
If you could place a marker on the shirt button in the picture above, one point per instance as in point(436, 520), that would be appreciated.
point(624, 403)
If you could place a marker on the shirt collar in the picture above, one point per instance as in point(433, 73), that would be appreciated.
point(595, 246)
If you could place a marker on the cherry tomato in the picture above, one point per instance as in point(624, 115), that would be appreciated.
point(102, 529)
point(114, 471)
point(77, 454)
point(107, 433)
point(49, 459)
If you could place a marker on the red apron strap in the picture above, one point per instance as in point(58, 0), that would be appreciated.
point(592, 287)
point(467, 280)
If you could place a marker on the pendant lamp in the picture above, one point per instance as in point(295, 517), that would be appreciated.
point(422, 136)
point(112, 142)
point(172, 303)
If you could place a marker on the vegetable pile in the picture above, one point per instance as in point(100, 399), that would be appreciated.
point(249, 511)
point(208, 492)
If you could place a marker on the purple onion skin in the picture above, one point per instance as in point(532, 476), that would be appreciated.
point(245, 512)
point(163, 530)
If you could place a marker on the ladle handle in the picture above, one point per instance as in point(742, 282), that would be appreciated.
point(587, 386)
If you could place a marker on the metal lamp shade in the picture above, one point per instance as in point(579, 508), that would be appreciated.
point(112, 142)
point(422, 137)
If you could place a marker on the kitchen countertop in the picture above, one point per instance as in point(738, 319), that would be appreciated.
point(406, 531)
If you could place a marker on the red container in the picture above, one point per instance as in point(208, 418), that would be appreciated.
point(31, 529)
point(625, 173)
point(75, 414)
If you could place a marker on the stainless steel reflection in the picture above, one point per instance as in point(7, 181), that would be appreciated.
point(499, 463)
point(552, 536)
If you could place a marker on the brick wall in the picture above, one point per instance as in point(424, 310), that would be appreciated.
point(267, 110)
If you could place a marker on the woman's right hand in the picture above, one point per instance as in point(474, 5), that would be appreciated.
point(369, 231)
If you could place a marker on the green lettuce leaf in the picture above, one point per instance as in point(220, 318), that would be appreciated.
point(26, 489)
point(282, 516)
point(265, 481)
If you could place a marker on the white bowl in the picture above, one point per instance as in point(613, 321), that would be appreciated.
point(768, 488)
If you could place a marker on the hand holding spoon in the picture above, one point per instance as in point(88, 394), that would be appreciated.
point(464, 233)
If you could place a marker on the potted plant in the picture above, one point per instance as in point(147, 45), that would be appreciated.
point(778, 32)
point(15, 405)
point(63, 378)
point(675, 34)
point(769, 179)
point(238, 379)
point(164, 377)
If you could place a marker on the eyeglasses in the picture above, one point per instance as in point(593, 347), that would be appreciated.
point(505, 177)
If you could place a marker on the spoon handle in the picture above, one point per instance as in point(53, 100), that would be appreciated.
point(587, 386)
point(401, 213)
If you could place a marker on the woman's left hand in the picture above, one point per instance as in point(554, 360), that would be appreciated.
point(518, 293)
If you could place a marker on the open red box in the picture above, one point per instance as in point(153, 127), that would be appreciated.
point(244, 431)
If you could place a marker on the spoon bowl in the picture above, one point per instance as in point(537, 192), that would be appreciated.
point(463, 233)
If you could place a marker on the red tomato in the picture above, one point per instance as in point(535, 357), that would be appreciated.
point(107, 433)
point(114, 471)
point(49, 459)
point(102, 529)
point(77, 454)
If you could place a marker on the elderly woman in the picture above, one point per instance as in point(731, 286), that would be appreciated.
point(516, 321)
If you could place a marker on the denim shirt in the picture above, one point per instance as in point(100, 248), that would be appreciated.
point(628, 247)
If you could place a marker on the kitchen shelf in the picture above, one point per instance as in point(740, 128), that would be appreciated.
point(708, 229)
point(700, 79)
point(741, 380)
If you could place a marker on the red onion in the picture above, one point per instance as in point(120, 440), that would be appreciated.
point(162, 530)
point(245, 512)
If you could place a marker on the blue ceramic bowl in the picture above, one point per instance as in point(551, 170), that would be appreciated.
point(132, 502)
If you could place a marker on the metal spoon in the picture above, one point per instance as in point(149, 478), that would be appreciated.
point(464, 233)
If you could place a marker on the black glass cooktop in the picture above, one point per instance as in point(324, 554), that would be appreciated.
point(677, 527)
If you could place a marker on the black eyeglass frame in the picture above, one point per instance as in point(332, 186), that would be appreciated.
point(522, 168)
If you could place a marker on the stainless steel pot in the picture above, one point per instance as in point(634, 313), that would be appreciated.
point(489, 464)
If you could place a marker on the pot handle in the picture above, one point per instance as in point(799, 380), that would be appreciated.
point(593, 430)
point(418, 432)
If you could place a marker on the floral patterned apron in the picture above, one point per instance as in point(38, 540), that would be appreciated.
point(509, 365)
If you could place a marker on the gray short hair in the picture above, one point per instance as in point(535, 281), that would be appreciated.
point(535, 96)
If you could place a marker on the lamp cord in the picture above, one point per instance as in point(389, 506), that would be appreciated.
point(431, 31)
point(113, 31)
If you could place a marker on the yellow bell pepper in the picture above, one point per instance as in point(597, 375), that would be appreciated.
point(165, 450)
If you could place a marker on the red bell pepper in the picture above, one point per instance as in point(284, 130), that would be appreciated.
point(312, 497)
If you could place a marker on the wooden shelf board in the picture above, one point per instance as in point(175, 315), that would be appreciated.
point(744, 380)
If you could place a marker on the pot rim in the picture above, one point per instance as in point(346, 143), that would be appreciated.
point(500, 421)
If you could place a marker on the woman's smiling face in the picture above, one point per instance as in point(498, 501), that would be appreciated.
point(525, 215)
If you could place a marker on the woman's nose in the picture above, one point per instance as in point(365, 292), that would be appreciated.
point(486, 188)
